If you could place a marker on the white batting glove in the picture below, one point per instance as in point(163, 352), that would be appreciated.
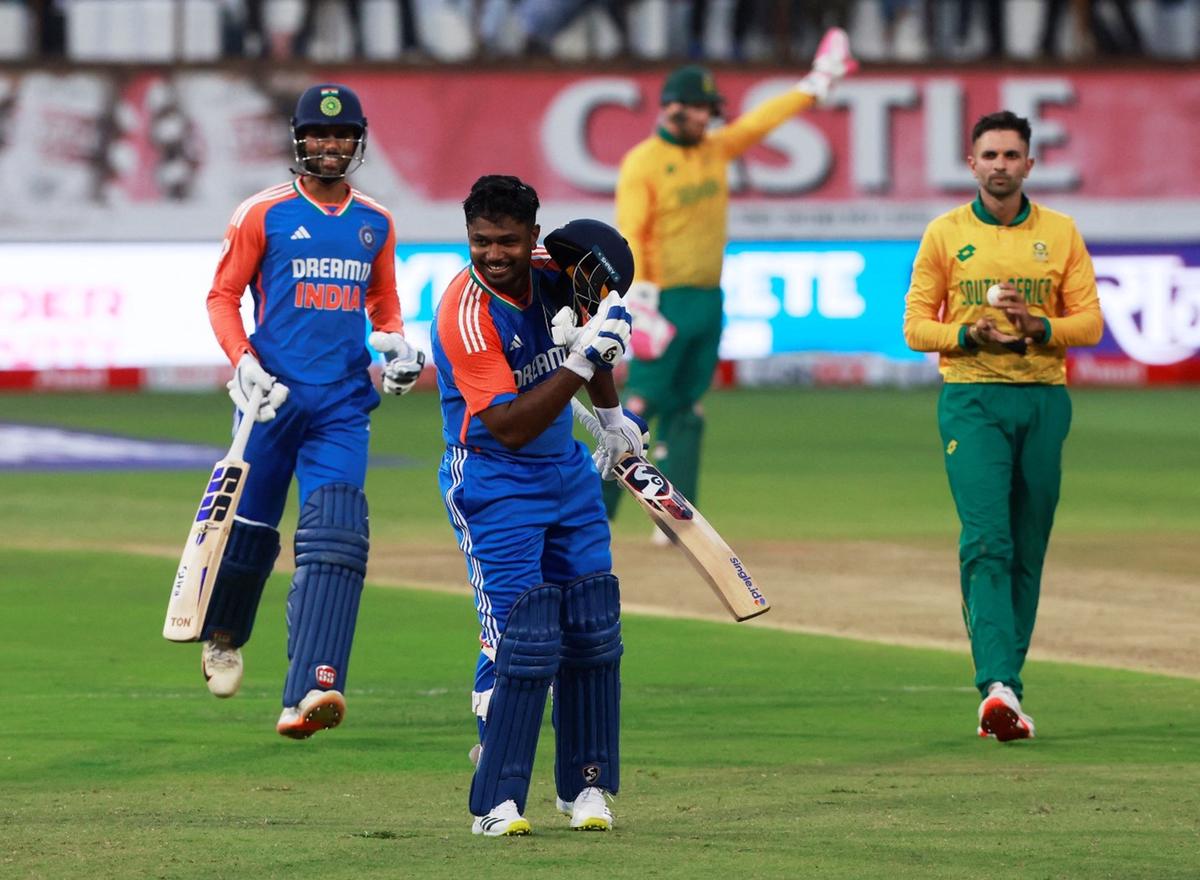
point(652, 332)
point(832, 62)
point(602, 341)
point(563, 329)
point(249, 375)
point(625, 433)
point(403, 361)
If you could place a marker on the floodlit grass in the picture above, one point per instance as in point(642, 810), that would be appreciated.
point(747, 752)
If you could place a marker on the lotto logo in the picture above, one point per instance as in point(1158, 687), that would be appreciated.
point(326, 676)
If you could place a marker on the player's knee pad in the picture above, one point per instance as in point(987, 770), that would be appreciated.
point(246, 564)
point(587, 696)
point(527, 657)
point(331, 560)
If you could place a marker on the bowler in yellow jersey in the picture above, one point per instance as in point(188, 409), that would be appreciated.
point(672, 200)
point(1003, 412)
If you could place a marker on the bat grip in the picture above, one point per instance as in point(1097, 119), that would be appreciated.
point(242, 435)
point(587, 419)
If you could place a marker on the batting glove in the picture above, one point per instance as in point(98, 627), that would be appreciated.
point(652, 332)
point(832, 62)
point(249, 375)
point(602, 341)
point(403, 361)
point(625, 434)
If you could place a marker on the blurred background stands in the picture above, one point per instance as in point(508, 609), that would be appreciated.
point(459, 31)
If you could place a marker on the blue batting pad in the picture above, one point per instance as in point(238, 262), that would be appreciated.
point(587, 693)
point(246, 564)
point(526, 660)
point(322, 607)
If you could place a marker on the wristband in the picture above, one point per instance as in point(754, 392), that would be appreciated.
point(580, 366)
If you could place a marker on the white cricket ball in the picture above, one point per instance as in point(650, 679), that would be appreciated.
point(993, 295)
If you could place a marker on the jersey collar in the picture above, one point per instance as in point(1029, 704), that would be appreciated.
point(321, 206)
point(986, 216)
point(669, 138)
point(518, 304)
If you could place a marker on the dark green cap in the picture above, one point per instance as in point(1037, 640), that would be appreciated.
point(692, 85)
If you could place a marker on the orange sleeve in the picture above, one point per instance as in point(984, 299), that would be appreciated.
point(383, 305)
point(241, 253)
point(473, 348)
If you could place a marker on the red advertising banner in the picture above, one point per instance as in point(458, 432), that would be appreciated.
point(168, 155)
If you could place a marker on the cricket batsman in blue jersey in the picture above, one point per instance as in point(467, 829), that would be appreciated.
point(517, 334)
point(318, 256)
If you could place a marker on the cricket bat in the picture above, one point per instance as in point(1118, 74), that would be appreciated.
point(687, 527)
point(206, 541)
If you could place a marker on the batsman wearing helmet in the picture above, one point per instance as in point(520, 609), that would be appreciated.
point(517, 334)
point(317, 256)
point(672, 199)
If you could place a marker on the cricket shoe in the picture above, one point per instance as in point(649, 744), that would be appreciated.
point(502, 821)
point(589, 811)
point(319, 710)
point(221, 664)
point(832, 62)
point(1000, 716)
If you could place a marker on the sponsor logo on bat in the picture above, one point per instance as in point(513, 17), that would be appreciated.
point(181, 621)
point(218, 498)
point(648, 482)
point(740, 571)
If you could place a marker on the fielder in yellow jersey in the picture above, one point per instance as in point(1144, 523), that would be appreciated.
point(1001, 288)
point(672, 200)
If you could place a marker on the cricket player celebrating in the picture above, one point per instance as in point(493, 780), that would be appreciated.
point(523, 498)
point(316, 254)
point(1001, 287)
point(672, 201)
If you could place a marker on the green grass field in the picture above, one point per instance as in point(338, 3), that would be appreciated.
point(747, 751)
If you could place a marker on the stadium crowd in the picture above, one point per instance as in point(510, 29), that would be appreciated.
point(461, 31)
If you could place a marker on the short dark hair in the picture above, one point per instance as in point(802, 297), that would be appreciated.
point(501, 195)
point(1004, 120)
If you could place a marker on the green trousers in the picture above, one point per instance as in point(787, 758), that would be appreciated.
point(672, 385)
point(1003, 453)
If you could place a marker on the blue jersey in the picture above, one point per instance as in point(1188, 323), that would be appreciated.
point(313, 270)
point(489, 347)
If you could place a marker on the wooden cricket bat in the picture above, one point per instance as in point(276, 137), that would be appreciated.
point(206, 541)
point(687, 527)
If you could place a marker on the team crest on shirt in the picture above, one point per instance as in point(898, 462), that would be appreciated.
point(366, 235)
point(1040, 252)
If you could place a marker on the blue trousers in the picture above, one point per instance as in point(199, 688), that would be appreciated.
point(320, 436)
point(520, 523)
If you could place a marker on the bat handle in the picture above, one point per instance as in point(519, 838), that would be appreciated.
point(242, 435)
point(587, 418)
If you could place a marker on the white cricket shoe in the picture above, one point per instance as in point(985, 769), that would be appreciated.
point(502, 821)
point(589, 811)
point(319, 710)
point(1000, 715)
point(222, 668)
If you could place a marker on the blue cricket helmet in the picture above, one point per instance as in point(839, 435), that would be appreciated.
point(329, 104)
point(599, 257)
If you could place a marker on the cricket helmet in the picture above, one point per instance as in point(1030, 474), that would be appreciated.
point(328, 104)
point(692, 84)
point(595, 257)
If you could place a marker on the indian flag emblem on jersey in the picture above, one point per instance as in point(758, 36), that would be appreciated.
point(331, 104)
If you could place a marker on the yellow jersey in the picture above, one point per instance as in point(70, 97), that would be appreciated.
point(672, 199)
point(966, 251)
